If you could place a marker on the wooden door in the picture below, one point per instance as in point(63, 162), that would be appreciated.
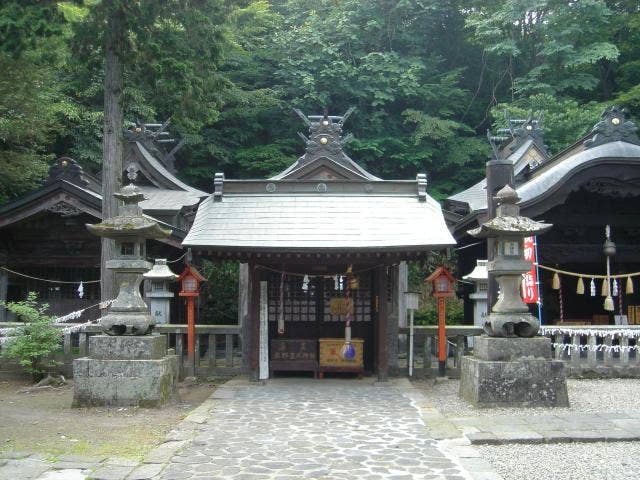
point(306, 312)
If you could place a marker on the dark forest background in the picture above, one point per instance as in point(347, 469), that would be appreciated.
point(427, 78)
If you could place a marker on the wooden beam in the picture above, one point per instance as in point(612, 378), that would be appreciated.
point(254, 319)
point(382, 347)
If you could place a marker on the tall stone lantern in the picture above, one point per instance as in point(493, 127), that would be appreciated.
point(127, 366)
point(128, 314)
point(509, 316)
point(510, 365)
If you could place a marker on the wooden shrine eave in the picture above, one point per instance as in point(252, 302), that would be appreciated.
point(315, 186)
point(302, 256)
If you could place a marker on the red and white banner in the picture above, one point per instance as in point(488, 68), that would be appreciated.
point(530, 279)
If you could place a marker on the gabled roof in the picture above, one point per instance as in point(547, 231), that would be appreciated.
point(612, 141)
point(69, 189)
point(318, 220)
point(324, 202)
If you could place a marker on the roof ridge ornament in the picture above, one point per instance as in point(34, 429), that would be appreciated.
point(612, 127)
point(153, 136)
point(66, 168)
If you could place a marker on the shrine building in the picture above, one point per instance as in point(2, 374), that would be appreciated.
point(591, 184)
point(321, 241)
point(43, 233)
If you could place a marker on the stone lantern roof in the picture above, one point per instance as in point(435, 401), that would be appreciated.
point(160, 271)
point(130, 222)
point(508, 221)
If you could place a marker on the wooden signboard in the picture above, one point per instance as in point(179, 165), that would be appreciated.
point(341, 306)
point(293, 354)
point(331, 359)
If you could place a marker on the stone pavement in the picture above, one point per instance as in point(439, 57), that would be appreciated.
point(297, 428)
point(303, 428)
point(550, 428)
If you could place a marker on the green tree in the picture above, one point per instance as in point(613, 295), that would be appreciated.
point(32, 105)
point(565, 120)
point(33, 343)
point(546, 46)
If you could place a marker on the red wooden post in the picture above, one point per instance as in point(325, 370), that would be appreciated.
point(442, 284)
point(442, 337)
point(191, 335)
point(190, 280)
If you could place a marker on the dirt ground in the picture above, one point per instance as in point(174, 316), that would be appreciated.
point(41, 420)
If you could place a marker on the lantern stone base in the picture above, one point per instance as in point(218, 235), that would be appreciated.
point(513, 372)
point(125, 371)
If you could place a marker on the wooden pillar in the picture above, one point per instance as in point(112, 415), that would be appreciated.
point(382, 346)
point(254, 321)
point(499, 173)
point(243, 314)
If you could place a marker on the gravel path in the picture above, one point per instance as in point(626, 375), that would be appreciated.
point(566, 461)
point(585, 396)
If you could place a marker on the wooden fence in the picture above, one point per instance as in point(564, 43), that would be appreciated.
point(425, 348)
point(597, 350)
point(217, 348)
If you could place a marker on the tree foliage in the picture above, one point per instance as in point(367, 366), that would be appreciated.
point(427, 79)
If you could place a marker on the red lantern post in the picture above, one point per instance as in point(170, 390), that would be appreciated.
point(190, 280)
point(442, 282)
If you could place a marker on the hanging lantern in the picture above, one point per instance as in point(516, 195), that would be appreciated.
point(629, 289)
point(592, 288)
point(580, 286)
point(555, 282)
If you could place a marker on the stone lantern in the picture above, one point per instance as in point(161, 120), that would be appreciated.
point(480, 278)
point(128, 314)
point(509, 316)
point(127, 366)
point(510, 365)
point(160, 276)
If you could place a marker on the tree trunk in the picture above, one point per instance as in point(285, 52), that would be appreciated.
point(112, 135)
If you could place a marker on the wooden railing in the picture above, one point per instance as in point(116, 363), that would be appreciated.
point(425, 348)
point(217, 348)
point(597, 350)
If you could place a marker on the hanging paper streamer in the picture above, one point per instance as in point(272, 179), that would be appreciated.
point(580, 286)
point(555, 282)
point(305, 283)
point(629, 289)
point(614, 288)
point(336, 282)
point(592, 287)
point(80, 290)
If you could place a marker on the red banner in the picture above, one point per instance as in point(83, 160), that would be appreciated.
point(530, 279)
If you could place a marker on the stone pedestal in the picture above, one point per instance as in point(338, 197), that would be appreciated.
point(124, 371)
point(513, 372)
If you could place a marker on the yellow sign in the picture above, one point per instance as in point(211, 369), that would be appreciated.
point(340, 306)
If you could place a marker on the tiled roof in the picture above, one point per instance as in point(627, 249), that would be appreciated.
point(298, 222)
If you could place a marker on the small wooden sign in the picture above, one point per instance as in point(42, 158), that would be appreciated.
point(341, 306)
